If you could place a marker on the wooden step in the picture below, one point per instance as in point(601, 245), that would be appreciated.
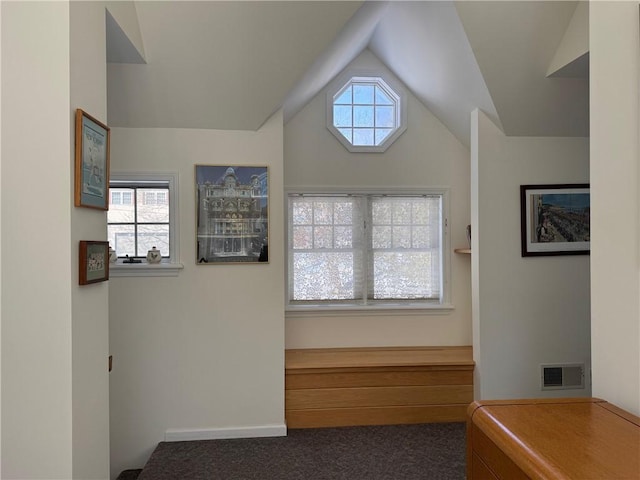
point(377, 386)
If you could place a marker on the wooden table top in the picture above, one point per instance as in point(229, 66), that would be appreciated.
point(580, 438)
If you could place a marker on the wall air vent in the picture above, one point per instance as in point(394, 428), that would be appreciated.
point(562, 376)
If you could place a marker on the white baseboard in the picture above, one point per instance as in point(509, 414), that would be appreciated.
point(179, 435)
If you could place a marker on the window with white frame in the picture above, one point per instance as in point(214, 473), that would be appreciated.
point(142, 215)
point(365, 114)
point(365, 249)
point(119, 197)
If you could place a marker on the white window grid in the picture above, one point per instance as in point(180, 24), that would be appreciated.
point(363, 276)
point(372, 106)
point(153, 180)
point(366, 125)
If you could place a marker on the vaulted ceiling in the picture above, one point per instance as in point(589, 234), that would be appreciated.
point(231, 65)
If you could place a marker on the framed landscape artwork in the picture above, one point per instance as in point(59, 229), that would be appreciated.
point(92, 162)
point(94, 262)
point(555, 219)
point(232, 213)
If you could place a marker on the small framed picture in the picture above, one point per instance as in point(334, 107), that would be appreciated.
point(232, 214)
point(555, 219)
point(94, 262)
point(92, 162)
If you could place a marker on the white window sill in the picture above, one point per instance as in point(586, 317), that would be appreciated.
point(144, 269)
point(302, 311)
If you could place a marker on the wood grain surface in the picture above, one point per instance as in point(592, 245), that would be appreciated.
point(559, 439)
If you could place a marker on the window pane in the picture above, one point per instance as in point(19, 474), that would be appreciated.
point(302, 237)
point(406, 275)
point(362, 116)
point(302, 212)
point(363, 94)
point(323, 237)
point(344, 98)
point(381, 237)
point(119, 213)
point(363, 136)
point(342, 116)
point(347, 133)
point(401, 212)
point(343, 213)
point(384, 117)
point(323, 276)
point(382, 98)
point(422, 238)
point(343, 237)
point(151, 208)
point(122, 239)
point(381, 211)
point(381, 134)
point(116, 198)
point(150, 236)
point(421, 211)
point(323, 213)
point(402, 237)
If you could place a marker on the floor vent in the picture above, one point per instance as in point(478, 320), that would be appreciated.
point(562, 376)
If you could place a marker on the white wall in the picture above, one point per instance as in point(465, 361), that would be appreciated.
point(126, 16)
point(36, 242)
point(204, 350)
point(615, 282)
point(427, 154)
point(90, 303)
point(526, 310)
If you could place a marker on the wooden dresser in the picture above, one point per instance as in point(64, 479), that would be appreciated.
point(560, 439)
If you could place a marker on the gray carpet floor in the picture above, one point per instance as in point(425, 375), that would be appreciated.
point(399, 452)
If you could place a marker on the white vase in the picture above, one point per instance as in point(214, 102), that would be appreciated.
point(154, 256)
point(113, 256)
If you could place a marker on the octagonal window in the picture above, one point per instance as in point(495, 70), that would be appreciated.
point(365, 114)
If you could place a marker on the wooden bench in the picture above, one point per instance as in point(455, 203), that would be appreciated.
point(333, 387)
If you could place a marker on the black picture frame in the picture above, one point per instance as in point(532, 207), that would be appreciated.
point(555, 219)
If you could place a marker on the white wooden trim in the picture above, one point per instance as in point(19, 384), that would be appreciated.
point(180, 435)
point(145, 270)
point(381, 310)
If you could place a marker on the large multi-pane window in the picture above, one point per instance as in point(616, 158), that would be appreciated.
point(139, 218)
point(365, 249)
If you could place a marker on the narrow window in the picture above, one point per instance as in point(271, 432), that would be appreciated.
point(142, 215)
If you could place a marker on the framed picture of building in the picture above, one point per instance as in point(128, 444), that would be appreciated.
point(91, 162)
point(555, 219)
point(232, 214)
